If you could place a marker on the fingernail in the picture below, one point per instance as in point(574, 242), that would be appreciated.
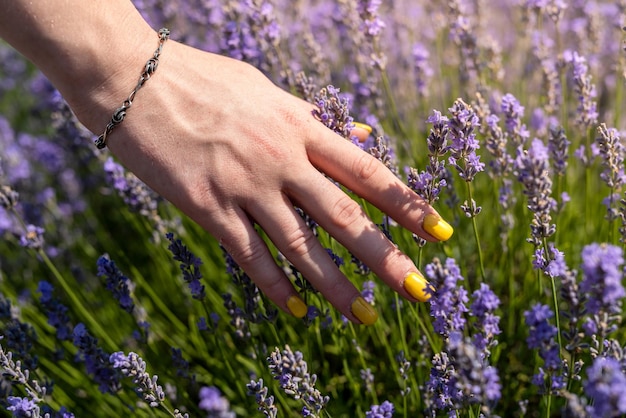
point(364, 311)
point(363, 126)
point(296, 306)
point(417, 286)
point(437, 227)
point(361, 131)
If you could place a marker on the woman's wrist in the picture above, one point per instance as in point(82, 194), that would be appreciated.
point(93, 52)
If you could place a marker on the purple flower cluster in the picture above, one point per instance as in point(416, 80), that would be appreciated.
point(384, 410)
point(189, 266)
point(95, 359)
point(291, 372)
point(333, 111)
point(587, 112)
point(212, 401)
point(132, 365)
point(612, 152)
point(116, 282)
point(264, 402)
point(542, 337)
point(56, 311)
point(448, 303)
point(462, 124)
point(606, 385)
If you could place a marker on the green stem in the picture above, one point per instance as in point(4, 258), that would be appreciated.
point(476, 237)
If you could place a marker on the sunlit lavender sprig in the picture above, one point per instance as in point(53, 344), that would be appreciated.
point(116, 282)
point(462, 124)
point(133, 366)
point(513, 113)
point(463, 34)
point(586, 112)
point(33, 237)
point(189, 266)
point(487, 323)
point(430, 182)
point(533, 171)
point(291, 371)
point(612, 152)
point(448, 303)
point(558, 147)
point(264, 402)
point(333, 111)
point(422, 69)
point(14, 371)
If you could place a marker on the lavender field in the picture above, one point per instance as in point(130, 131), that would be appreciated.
point(506, 115)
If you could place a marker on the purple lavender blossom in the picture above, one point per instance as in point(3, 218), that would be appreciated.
point(558, 146)
point(514, 113)
point(606, 386)
point(532, 171)
point(487, 324)
point(216, 405)
point(448, 303)
point(384, 410)
point(132, 365)
point(189, 266)
point(291, 371)
point(587, 113)
point(55, 311)
point(542, 336)
point(423, 70)
point(22, 407)
point(95, 359)
point(368, 291)
point(333, 111)
point(463, 143)
point(116, 282)
point(265, 403)
point(612, 152)
point(32, 238)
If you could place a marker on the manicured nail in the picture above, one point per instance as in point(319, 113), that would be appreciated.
point(417, 286)
point(363, 126)
point(361, 131)
point(437, 227)
point(296, 306)
point(364, 311)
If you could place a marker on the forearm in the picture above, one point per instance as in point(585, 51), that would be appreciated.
point(92, 51)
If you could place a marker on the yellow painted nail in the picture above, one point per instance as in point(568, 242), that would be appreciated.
point(296, 306)
point(363, 126)
point(417, 285)
point(437, 227)
point(364, 311)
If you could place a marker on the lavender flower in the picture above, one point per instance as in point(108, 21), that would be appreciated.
point(116, 282)
point(602, 285)
point(542, 336)
point(484, 304)
point(291, 371)
point(189, 266)
point(8, 198)
point(32, 238)
point(463, 142)
point(132, 365)
point(56, 311)
point(606, 385)
point(532, 171)
point(587, 113)
point(368, 379)
point(612, 151)
point(514, 112)
point(384, 410)
point(558, 147)
point(334, 111)
point(212, 401)
point(448, 304)
point(265, 403)
point(423, 70)
point(22, 407)
point(95, 359)
point(368, 291)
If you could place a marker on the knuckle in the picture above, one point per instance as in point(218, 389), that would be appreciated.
point(249, 254)
point(345, 212)
point(388, 260)
point(299, 242)
point(366, 167)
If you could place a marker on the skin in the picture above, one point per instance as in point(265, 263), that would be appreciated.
point(217, 139)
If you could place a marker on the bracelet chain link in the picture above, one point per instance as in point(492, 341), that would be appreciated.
point(120, 113)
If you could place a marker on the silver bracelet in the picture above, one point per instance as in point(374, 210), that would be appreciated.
point(120, 112)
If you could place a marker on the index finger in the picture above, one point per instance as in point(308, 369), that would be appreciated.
point(373, 181)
